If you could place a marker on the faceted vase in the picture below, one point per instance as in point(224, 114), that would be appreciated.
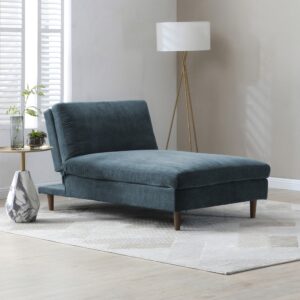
point(22, 203)
point(16, 132)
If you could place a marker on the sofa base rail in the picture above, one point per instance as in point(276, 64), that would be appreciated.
point(166, 199)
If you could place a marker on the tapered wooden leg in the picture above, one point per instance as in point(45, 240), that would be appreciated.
point(253, 209)
point(177, 220)
point(50, 202)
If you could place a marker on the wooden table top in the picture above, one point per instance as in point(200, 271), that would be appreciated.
point(26, 149)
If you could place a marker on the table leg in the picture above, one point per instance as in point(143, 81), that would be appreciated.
point(23, 164)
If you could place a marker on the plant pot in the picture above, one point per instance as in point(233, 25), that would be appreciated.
point(16, 132)
point(36, 142)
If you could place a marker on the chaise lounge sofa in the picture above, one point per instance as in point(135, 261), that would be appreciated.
point(107, 151)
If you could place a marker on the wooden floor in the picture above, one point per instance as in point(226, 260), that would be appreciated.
point(35, 269)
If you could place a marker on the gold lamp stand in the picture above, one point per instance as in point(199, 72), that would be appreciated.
point(184, 80)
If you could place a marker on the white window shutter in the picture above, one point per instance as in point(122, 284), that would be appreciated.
point(11, 55)
point(51, 52)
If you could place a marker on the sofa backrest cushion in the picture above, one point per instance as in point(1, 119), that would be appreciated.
point(92, 127)
point(53, 140)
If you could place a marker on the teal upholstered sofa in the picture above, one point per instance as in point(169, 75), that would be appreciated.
point(107, 151)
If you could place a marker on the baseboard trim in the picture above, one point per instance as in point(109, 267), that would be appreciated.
point(4, 190)
point(284, 184)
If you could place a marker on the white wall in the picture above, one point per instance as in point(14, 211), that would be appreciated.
point(246, 89)
point(113, 58)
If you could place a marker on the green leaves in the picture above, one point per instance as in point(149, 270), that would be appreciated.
point(37, 134)
point(35, 90)
point(32, 111)
point(26, 93)
point(13, 110)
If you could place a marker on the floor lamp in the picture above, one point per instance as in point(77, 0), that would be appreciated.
point(183, 37)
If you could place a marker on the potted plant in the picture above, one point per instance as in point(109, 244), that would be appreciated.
point(17, 116)
point(36, 139)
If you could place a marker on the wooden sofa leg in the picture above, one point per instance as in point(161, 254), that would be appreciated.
point(50, 202)
point(177, 220)
point(253, 204)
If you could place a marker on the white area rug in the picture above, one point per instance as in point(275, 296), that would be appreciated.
point(220, 239)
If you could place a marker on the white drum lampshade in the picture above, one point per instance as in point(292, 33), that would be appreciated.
point(183, 36)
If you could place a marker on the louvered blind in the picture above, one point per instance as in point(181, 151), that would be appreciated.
point(51, 51)
point(11, 55)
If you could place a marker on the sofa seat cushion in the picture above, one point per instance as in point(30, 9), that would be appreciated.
point(173, 169)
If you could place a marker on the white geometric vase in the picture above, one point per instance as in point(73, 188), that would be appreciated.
point(22, 203)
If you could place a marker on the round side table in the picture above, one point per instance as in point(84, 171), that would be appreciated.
point(23, 152)
point(22, 203)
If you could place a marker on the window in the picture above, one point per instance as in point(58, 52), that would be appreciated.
point(31, 51)
point(51, 51)
point(11, 55)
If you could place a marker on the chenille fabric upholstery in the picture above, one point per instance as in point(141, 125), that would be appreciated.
point(174, 169)
point(93, 127)
point(161, 198)
point(53, 140)
point(107, 151)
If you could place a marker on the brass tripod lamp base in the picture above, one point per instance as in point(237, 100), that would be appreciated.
point(184, 80)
